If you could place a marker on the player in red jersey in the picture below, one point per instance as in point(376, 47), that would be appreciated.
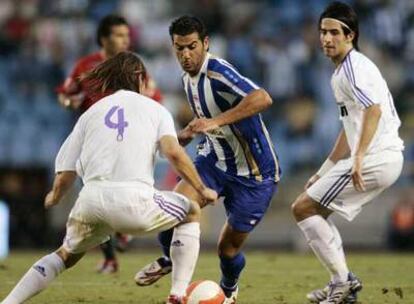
point(112, 37)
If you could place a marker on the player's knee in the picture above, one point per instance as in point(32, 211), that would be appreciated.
point(69, 259)
point(194, 213)
point(227, 250)
point(301, 207)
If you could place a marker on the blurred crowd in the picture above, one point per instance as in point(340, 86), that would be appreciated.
point(274, 42)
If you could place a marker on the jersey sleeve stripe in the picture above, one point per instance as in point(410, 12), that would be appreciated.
point(225, 63)
point(349, 77)
point(348, 59)
point(232, 76)
point(219, 77)
point(358, 92)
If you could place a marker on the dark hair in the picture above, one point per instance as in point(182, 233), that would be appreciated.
point(346, 14)
point(186, 25)
point(106, 24)
point(121, 72)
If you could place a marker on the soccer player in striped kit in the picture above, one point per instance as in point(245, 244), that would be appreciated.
point(365, 160)
point(237, 157)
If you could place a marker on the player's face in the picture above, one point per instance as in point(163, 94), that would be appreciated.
point(335, 44)
point(190, 51)
point(118, 40)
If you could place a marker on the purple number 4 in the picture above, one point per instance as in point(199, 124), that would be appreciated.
point(120, 124)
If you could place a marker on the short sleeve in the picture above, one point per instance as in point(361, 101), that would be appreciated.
point(166, 125)
point(363, 79)
point(231, 81)
point(69, 152)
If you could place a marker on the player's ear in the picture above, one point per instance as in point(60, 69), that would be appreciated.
point(206, 43)
point(350, 36)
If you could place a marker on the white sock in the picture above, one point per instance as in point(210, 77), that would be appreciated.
point(338, 240)
point(36, 279)
point(321, 239)
point(185, 246)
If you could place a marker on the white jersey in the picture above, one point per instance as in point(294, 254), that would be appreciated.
point(358, 84)
point(116, 140)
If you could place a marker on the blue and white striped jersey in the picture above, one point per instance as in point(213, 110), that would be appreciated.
point(243, 148)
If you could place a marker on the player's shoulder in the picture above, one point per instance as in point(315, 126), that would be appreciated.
point(221, 69)
point(89, 61)
point(359, 62)
point(220, 65)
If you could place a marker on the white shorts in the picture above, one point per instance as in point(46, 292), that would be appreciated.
point(336, 191)
point(103, 208)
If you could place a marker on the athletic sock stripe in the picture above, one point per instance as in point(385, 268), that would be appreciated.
point(332, 188)
point(339, 189)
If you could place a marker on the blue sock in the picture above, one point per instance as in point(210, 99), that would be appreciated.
point(231, 269)
point(165, 238)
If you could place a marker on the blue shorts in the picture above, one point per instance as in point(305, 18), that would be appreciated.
point(245, 200)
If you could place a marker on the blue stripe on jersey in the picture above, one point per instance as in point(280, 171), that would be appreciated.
point(202, 97)
point(349, 73)
point(260, 147)
point(230, 74)
point(190, 99)
point(229, 155)
point(222, 103)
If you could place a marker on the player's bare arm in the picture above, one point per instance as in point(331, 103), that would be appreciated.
point(371, 118)
point(255, 102)
point(185, 168)
point(61, 185)
point(340, 151)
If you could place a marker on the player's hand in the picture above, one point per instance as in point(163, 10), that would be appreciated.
point(186, 135)
point(356, 174)
point(312, 180)
point(50, 200)
point(209, 196)
point(203, 125)
point(72, 102)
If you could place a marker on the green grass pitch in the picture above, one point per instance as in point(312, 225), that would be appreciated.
point(269, 278)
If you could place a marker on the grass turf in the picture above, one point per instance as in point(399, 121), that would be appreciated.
point(269, 277)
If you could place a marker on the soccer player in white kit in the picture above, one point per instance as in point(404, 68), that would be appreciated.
point(112, 148)
point(365, 160)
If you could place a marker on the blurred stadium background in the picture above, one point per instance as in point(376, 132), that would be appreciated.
point(274, 43)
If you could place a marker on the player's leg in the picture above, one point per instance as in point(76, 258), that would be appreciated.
point(155, 270)
point(311, 219)
point(41, 274)
point(162, 211)
point(185, 248)
point(335, 192)
point(110, 262)
point(323, 240)
point(246, 203)
point(232, 260)
point(165, 237)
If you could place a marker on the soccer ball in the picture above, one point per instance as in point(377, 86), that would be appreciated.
point(205, 292)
